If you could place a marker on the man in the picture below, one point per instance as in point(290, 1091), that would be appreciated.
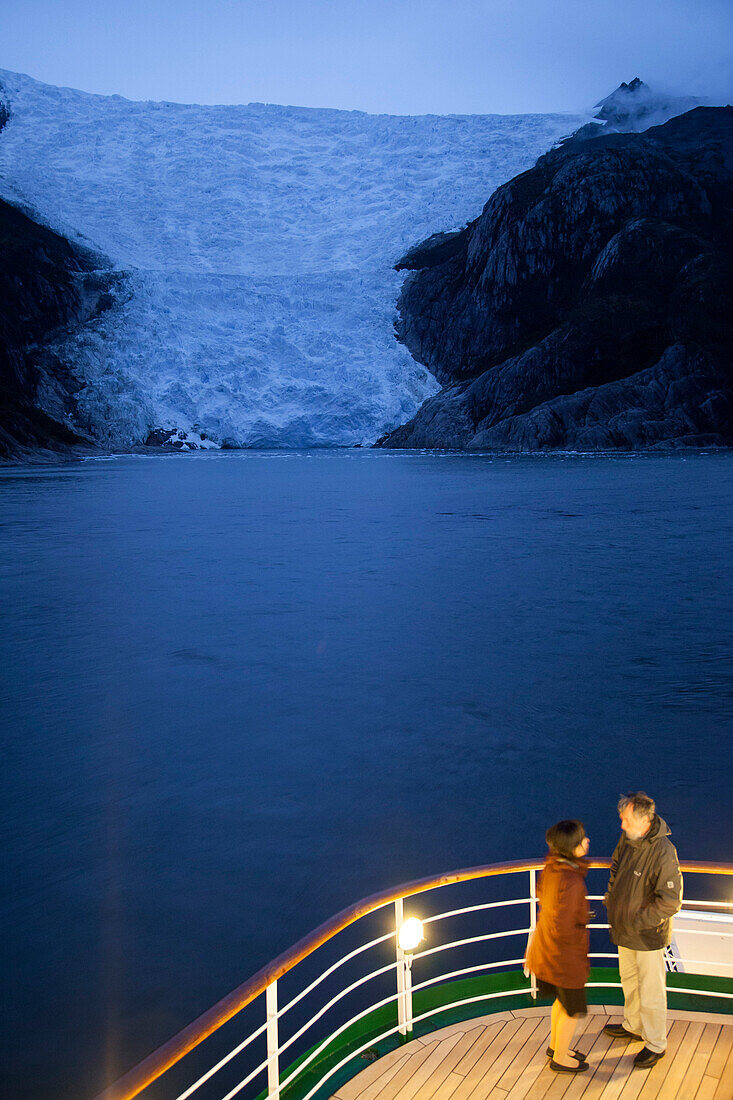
point(644, 893)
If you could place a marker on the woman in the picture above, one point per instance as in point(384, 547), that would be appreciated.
point(558, 952)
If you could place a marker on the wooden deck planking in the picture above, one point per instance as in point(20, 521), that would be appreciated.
point(525, 1035)
point(533, 1050)
point(509, 1039)
point(603, 1062)
point(469, 1060)
point(699, 1060)
point(451, 1056)
point(544, 1080)
point(656, 1075)
point(724, 1090)
point(443, 1060)
point(449, 1086)
point(472, 1079)
point(374, 1080)
point(421, 1068)
point(720, 1055)
point(502, 1057)
point(603, 1055)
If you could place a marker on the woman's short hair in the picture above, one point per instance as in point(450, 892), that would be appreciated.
point(641, 804)
point(563, 838)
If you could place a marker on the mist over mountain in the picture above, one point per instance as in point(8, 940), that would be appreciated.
point(635, 107)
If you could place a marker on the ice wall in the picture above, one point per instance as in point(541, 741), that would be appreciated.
point(259, 242)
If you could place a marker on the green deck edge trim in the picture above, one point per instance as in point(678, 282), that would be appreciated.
point(504, 982)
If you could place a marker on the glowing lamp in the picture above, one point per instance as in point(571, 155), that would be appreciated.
point(410, 934)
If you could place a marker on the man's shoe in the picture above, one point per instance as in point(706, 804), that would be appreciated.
point(618, 1031)
point(647, 1058)
point(558, 1068)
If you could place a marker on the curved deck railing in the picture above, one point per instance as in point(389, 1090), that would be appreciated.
point(265, 981)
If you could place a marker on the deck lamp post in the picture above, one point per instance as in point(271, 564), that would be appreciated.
point(410, 935)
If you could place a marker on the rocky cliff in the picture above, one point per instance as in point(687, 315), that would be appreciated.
point(47, 286)
point(591, 303)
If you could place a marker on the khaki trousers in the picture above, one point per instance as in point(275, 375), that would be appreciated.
point(645, 995)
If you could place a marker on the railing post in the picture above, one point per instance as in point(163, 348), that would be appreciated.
point(399, 913)
point(532, 921)
point(273, 1061)
point(408, 996)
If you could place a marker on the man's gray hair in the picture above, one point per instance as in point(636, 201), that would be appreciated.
point(642, 805)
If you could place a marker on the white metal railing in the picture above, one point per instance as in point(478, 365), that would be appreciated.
point(402, 961)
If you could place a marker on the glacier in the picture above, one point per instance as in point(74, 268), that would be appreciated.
point(256, 297)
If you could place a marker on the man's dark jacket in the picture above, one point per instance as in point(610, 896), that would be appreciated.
point(644, 890)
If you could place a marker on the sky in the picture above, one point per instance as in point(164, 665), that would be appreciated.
point(382, 56)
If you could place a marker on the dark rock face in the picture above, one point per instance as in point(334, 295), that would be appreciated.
point(47, 286)
point(4, 108)
point(436, 250)
point(590, 305)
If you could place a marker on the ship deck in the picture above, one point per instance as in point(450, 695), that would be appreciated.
point(502, 1057)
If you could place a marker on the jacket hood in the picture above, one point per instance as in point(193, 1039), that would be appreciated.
point(559, 863)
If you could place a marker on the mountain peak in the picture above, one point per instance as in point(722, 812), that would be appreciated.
point(635, 106)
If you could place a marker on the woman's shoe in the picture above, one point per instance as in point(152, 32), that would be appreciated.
point(558, 1068)
point(571, 1054)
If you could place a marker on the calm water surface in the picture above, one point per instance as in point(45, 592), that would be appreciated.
point(240, 691)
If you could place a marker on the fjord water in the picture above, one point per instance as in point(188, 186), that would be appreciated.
point(241, 690)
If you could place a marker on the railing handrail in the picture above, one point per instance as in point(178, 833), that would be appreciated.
point(156, 1064)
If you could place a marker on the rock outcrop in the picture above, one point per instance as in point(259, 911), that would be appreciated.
point(47, 285)
point(591, 303)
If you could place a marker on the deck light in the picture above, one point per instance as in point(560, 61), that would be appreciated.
point(410, 935)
